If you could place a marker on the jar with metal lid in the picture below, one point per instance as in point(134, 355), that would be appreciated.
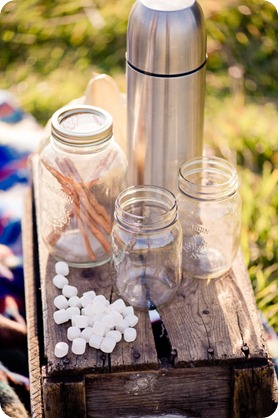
point(146, 246)
point(210, 214)
point(81, 172)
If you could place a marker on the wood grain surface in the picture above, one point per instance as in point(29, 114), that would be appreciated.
point(218, 361)
point(199, 394)
point(31, 297)
point(215, 320)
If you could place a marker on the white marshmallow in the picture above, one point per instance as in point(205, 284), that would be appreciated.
point(60, 281)
point(100, 298)
point(87, 333)
point(92, 293)
point(95, 341)
point(75, 301)
point(78, 346)
point(128, 310)
point(69, 291)
point(98, 329)
point(91, 321)
point(117, 317)
point(72, 333)
point(61, 267)
point(61, 302)
point(98, 306)
point(89, 310)
point(73, 323)
point(108, 321)
point(116, 335)
point(99, 317)
point(132, 320)
point(122, 325)
point(81, 321)
point(61, 349)
point(118, 306)
point(106, 330)
point(130, 334)
point(73, 311)
point(108, 344)
point(85, 300)
point(60, 316)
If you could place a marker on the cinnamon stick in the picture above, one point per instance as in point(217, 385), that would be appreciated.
point(82, 228)
point(104, 162)
point(85, 216)
point(100, 210)
point(85, 206)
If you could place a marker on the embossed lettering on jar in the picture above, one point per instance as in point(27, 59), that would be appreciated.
point(210, 214)
point(82, 170)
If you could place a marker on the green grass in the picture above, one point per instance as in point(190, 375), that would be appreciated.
point(49, 51)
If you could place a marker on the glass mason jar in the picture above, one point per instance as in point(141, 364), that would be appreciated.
point(81, 172)
point(210, 214)
point(146, 246)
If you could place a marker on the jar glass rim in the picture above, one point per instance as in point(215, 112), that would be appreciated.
point(67, 128)
point(145, 208)
point(208, 178)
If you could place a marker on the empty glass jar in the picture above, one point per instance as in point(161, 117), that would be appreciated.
point(210, 214)
point(81, 172)
point(146, 246)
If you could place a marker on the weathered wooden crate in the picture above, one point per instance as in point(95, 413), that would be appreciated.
point(219, 366)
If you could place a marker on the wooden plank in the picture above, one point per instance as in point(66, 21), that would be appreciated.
point(30, 282)
point(64, 399)
point(52, 396)
point(92, 360)
point(252, 397)
point(187, 392)
point(139, 355)
point(213, 320)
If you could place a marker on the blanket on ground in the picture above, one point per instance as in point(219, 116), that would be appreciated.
point(19, 134)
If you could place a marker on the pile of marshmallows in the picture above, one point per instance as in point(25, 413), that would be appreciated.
point(94, 320)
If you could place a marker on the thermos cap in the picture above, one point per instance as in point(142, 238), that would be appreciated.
point(166, 37)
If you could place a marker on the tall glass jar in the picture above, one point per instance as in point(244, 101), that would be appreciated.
point(81, 172)
point(146, 246)
point(210, 214)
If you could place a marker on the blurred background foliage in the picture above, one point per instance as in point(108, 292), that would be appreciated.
point(50, 50)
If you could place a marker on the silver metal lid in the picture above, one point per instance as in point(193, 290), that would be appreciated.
point(166, 37)
point(81, 125)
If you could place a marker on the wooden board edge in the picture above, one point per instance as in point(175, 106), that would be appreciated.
point(254, 391)
point(64, 398)
point(31, 307)
point(158, 393)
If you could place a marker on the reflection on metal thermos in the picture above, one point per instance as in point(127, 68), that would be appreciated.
point(166, 61)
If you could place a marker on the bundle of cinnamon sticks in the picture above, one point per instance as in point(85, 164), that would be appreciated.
point(91, 216)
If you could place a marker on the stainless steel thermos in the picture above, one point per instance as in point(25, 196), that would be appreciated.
point(166, 60)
